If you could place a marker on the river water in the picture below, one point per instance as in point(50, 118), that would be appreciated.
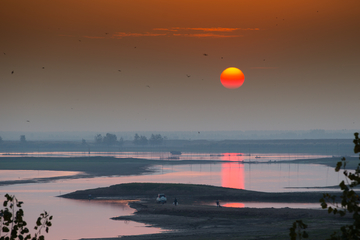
point(75, 219)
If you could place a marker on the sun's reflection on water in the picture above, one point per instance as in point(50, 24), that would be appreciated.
point(232, 174)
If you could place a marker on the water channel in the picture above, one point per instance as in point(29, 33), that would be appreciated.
point(75, 219)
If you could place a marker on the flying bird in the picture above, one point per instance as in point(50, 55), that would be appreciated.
point(79, 40)
point(27, 121)
point(205, 54)
point(198, 132)
point(222, 58)
point(4, 53)
point(12, 72)
point(43, 67)
point(148, 86)
point(119, 70)
point(264, 60)
point(187, 75)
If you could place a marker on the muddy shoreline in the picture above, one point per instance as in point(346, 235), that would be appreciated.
point(192, 221)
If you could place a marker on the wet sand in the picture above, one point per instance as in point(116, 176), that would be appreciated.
point(191, 220)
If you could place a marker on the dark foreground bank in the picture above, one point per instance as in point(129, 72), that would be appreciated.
point(192, 221)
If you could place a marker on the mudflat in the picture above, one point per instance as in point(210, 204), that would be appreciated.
point(193, 220)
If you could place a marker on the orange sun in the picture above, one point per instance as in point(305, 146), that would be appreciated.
point(232, 78)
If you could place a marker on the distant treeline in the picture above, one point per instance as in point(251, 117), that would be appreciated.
point(111, 139)
point(187, 135)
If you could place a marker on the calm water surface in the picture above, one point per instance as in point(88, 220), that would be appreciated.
point(75, 219)
point(259, 157)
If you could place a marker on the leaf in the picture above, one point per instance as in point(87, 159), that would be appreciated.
point(338, 166)
point(330, 209)
point(38, 222)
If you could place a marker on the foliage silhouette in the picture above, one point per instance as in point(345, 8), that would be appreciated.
point(98, 138)
point(349, 200)
point(136, 139)
point(13, 226)
point(110, 139)
point(297, 230)
point(140, 140)
point(156, 139)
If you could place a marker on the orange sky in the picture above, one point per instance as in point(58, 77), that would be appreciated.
point(300, 60)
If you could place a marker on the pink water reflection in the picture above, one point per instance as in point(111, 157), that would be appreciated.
point(11, 175)
point(232, 174)
point(268, 205)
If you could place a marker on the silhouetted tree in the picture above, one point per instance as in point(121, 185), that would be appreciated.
point(136, 139)
point(110, 139)
point(143, 140)
point(22, 139)
point(156, 139)
point(13, 225)
point(98, 138)
point(349, 202)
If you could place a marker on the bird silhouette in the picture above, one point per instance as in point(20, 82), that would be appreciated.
point(188, 75)
point(264, 60)
point(27, 121)
point(119, 70)
point(43, 67)
point(222, 58)
point(79, 40)
point(205, 54)
point(198, 132)
point(4, 53)
point(148, 86)
point(12, 72)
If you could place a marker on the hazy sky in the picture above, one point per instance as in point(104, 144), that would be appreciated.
point(301, 61)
